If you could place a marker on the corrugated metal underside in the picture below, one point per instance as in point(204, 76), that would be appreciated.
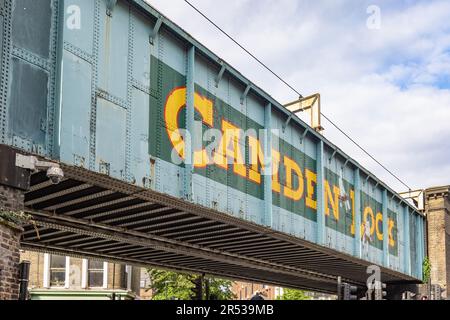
point(93, 215)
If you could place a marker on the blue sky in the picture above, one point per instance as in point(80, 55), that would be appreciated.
point(389, 87)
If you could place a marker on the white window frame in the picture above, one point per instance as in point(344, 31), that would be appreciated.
point(85, 275)
point(46, 278)
point(105, 275)
point(129, 269)
point(46, 281)
point(67, 277)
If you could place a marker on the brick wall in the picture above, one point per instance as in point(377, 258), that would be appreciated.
point(245, 290)
point(36, 260)
point(438, 230)
point(9, 262)
point(10, 199)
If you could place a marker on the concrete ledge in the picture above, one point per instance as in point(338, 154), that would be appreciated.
point(11, 225)
point(65, 294)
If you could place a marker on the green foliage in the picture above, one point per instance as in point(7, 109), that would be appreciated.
point(168, 285)
point(17, 217)
point(426, 269)
point(292, 294)
point(221, 289)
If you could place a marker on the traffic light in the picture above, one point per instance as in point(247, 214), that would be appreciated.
point(197, 290)
point(380, 291)
point(346, 291)
point(350, 292)
point(437, 292)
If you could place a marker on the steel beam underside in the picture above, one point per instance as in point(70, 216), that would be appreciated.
point(93, 215)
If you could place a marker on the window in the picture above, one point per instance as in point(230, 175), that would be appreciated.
point(125, 277)
point(75, 273)
point(57, 271)
point(145, 279)
point(95, 273)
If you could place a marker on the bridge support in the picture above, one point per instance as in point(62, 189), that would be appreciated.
point(190, 124)
point(385, 229)
point(268, 167)
point(320, 195)
point(357, 202)
point(11, 200)
point(13, 181)
point(407, 237)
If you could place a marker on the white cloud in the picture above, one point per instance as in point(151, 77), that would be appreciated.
point(388, 88)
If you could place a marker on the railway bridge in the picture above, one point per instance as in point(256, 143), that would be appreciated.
point(95, 94)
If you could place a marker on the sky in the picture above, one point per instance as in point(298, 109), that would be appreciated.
point(382, 69)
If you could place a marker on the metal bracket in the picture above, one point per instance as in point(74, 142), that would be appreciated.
point(345, 163)
point(303, 136)
point(287, 122)
point(220, 75)
point(156, 30)
point(33, 163)
point(367, 179)
point(244, 95)
point(311, 103)
point(332, 156)
point(110, 4)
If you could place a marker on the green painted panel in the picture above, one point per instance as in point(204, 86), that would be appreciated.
point(164, 80)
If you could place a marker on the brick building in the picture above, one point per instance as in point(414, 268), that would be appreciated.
point(10, 199)
point(437, 208)
point(62, 277)
point(245, 290)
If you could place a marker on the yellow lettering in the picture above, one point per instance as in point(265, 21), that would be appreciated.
point(333, 200)
point(175, 102)
point(275, 170)
point(311, 178)
point(230, 137)
point(391, 235)
point(378, 219)
point(256, 158)
point(291, 169)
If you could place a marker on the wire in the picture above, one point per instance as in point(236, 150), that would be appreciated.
point(243, 48)
point(297, 92)
point(366, 152)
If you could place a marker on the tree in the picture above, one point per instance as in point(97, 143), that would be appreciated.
point(171, 285)
point(220, 289)
point(292, 294)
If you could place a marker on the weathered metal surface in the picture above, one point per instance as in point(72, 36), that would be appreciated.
point(29, 89)
point(31, 26)
point(117, 77)
point(28, 112)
